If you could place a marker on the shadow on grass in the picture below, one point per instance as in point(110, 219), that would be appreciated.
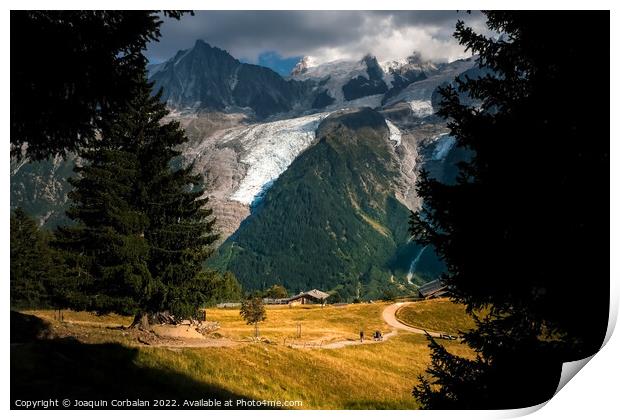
point(44, 368)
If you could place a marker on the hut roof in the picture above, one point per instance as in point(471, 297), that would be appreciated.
point(432, 288)
point(314, 293)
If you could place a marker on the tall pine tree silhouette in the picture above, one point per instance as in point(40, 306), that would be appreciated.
point(524, 229)
point(142, 229)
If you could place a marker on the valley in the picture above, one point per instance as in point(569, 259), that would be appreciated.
point(305, 209)
point(287, 185)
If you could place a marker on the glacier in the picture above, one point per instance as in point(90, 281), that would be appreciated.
point(419, 94)
point(268, 149)
point(421, 108)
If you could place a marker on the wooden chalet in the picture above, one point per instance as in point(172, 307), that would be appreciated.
point(304, 298)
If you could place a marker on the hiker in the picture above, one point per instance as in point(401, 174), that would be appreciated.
point(361, 336)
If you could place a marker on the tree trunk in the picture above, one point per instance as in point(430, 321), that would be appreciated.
point(144, 320)
point(141, 322)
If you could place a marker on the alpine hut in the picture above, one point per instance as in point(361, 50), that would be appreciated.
point(304, 298)
point(433, 289)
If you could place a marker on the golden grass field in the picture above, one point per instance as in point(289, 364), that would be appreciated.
point(318, 324)
point(376, 376)
point(440, 315)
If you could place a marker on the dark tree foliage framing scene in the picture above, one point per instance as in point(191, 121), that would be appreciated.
point(526, 100)
point(294, 216)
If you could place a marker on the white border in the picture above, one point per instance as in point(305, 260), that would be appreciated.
point(592, 394)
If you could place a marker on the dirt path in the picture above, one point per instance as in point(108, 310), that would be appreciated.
point(343, 343)
point(162, 338)
point(389, 316)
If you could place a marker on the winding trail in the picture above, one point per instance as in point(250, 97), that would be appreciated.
point(154, 339)
point(389, 316)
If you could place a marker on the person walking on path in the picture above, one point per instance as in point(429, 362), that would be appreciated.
point(361, 336)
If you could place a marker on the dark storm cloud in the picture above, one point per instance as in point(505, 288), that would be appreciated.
point(325, 35)
point(426, 17)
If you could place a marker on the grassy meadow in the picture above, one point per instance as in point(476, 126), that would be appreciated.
point(440, 315)
point(94, 357)
point(318, 324)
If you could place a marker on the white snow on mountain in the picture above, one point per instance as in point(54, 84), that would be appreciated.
point(302, 66)
point(412, 63)
point(443, 145)
point(392, 65)
point(268, 149)
point(395, 135)
point(336, 73)
point(421, 108)
point(389, 67)
point(418, 94)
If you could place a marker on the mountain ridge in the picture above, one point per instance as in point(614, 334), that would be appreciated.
point(255, 136)
point(206, 77)
point(335, 204)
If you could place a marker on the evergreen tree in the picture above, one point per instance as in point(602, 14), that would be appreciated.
point(527, 220)
point(68, 279)
point(42, 276)
point(107, 244)
point(143, 232)
point(180, 228)
point(30, 263)
point(222, 287)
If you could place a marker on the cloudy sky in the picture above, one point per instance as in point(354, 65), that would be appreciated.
point(279, 38)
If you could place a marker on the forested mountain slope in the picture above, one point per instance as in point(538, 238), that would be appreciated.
point(332, 220)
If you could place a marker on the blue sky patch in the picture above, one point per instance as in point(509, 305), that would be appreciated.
point(277, 63)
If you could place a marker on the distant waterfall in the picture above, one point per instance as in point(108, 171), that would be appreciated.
point(414, 264)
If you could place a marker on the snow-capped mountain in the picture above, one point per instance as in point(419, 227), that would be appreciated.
point(401, 73)
point(345, 80)
point(421, 96)
point(340, 81)
point(265, 143)
point(407, 70)
point(240, 160)
point(302, 66)
point(208, 78)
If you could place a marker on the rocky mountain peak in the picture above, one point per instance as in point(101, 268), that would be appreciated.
point(370, 60)
point(415, 62)
point(301, 67)
point(415, 58)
